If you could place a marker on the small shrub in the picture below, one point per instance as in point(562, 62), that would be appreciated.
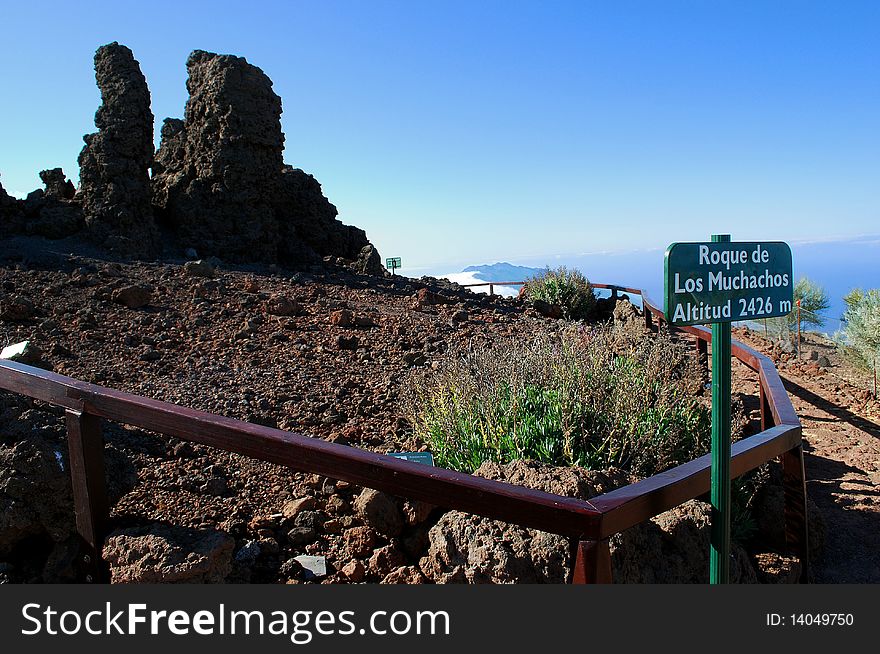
point(743, 523)
point(609, 396)
point(814, 300)
point(860, 337)
point(568, 289)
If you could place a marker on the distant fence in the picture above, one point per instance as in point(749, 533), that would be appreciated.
point(492, 285)
point(610, 287)
point(587, 523)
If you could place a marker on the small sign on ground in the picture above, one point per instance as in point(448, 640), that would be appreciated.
point(392, 262)
point(416, 457)
point(315, 566)
point(14, 351)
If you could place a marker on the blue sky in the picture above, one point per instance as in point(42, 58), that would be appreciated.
point(459, 133)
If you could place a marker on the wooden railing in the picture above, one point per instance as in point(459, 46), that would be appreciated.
point(611, 287)
point(492, 285)
point(588, 524)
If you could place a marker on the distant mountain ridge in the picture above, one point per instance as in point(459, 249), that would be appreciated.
point(838, 265)
point(493, 272)
point(502, 272)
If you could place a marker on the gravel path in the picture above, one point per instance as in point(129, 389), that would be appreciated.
point(842, 445)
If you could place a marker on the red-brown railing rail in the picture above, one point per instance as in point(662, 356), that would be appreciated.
point(588, 524)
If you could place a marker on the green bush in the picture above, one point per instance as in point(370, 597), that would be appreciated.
point(568, 289)
point(609, 396)
point(814, 300)
point(860, 336)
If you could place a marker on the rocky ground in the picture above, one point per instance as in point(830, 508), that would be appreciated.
point(324, 350)
point(322, 353)
point(841, 422)
point(325, 353)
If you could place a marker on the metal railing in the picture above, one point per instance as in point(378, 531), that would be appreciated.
point(587, 523)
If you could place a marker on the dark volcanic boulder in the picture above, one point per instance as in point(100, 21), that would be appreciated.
point(58, 187)
point(219, 169)
point(53, 212)
point(465, 548)
point(35, 495)
point(167, 554)
point(11, 214)
point(6, 200)
point(369, 262)
point(672, 548)
point(37, 521)
point(115, 162)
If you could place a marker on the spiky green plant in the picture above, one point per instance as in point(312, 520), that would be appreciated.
point(566, 288)
point(860, 337)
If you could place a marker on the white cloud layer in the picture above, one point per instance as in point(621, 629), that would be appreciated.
point(472, 278)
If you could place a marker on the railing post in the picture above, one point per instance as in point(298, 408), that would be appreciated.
point(649, 319)
point(795, 490)
point(766, 412)
point(491, 289)
point(86, 449)
point(702, 352)
point(592, 562)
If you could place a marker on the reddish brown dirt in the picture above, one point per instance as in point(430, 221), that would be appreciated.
point(215, 345)
point(333, 369)
point(841, 424)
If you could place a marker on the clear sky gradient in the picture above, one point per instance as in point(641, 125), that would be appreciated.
point(459, 133)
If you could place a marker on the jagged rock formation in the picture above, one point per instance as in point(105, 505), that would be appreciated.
point(52, 212)
point(219, 170)
point(307, 217)
point(168, 166)
point(219, 180)
point(115, 162)
point(58, 187)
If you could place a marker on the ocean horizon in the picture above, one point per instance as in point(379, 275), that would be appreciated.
point(838, 265)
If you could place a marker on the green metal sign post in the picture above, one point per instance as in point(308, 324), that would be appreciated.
point(718, 283)
point(719, 552)
point(393, 263)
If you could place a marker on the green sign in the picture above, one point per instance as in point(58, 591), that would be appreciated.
point(718, 283)
point(727, 282)
point(392, 263)
point(416, 457)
